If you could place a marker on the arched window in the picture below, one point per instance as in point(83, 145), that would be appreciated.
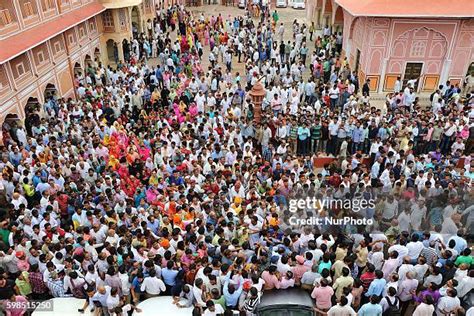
point(418, 49)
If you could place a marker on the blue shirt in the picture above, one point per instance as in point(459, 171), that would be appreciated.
point(15, 158)
point(169, 276)
point(36, 180)
point(376, 287)
point(136, 285)
point(461, 243)
point(303, 133)
point(154, 227)
point(382, 133)
point(232, 299)
point(176, 180)
point(342, 132)
point(216, 155)
point(357, 135)
point(374, 172)
point(370, 309)
point(41, 187)
point(159, 74)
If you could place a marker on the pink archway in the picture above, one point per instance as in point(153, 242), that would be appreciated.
point(420, 43)
point(424, 48)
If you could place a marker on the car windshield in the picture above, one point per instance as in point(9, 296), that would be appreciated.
point(286, 312)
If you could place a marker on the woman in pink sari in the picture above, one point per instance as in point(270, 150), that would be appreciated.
point(193, 109)
point(212, 42)
point(464, 133)
point(122, 170)
point(206, 36)
point(213, 21)
point(122, 139)
point(151, 195)
point(171, 119)
point(196, 70)
point(178, 114)
point(142, 150)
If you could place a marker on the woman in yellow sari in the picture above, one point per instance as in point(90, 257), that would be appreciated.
point(243, 235)
point(155, 96)
point(190, 38)
point(182, 107)
point(113, 162)
point(153, 180)
point(403, 134)
point(106, 141)
point(236, 207)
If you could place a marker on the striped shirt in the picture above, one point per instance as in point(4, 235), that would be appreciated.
point(430, 255)
point(294, 132)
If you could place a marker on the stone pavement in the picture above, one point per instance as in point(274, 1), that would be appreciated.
point(287, 16)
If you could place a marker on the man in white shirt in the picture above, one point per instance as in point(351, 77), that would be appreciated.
point(398, 85)
point(343, 308)
point(418, 213)
point(390, 209)
point(448, 304)
point(197, 292)
point(385, 178)
point(200, 100)
point(213, 309)
point(466, 284)
point(458, 145)
point(411, 83)
point(152, 285)
point(405, 268)
point(18, 199)
point(415, 246)
point(334, 96)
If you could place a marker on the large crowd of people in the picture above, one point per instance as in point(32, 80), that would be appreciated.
point(165, 178)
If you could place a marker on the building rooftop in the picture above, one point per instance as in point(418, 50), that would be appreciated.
point(114, 4)
point(15, 45)
point(409, 8)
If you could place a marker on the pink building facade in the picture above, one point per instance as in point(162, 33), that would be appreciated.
point(435, 45)
point(435, 51)
point(45, 44)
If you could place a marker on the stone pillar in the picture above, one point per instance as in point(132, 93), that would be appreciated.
point(120, 52)
point(382, 75)
point(326, 20)
point(444, 72)
point(257, 94)
point(319, 25)
point(309, 12)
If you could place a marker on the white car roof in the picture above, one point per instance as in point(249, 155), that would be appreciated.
point(62, 306)
point(162, 305)
point(68, 306)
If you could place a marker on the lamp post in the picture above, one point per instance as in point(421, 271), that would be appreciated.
point(257, 94)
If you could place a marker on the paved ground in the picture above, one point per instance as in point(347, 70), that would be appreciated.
point(287, 16)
